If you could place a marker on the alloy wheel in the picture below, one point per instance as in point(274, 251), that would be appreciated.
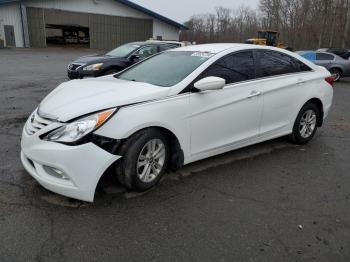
point(151, 160)
point(307, 123)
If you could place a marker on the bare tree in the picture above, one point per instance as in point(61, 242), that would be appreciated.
point(303, 24)
point(347, 24)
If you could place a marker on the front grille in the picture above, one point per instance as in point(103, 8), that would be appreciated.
point(74, 66)
point(36, 123)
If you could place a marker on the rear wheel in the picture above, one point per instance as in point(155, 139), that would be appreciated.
point(336, 73)
point(144, 161)
point(305, 125)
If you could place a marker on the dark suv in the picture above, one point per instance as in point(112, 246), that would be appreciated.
point(116, 60)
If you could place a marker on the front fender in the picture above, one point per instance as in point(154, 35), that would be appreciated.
point(171, 113)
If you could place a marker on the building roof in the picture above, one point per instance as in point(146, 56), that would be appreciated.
point(153, 14)
point(136, 7)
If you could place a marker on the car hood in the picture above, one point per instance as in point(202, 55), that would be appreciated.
point(80, 97)
point(91, 59)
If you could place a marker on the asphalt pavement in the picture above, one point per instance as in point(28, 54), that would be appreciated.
point(270, 202)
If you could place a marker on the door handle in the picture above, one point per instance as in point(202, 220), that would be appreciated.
point(254, 94)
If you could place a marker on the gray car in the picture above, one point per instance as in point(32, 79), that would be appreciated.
point(338, 66)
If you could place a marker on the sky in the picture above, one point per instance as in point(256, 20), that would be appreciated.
point(182, 10)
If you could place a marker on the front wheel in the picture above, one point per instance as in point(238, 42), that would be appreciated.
point(144, 161)
point(305, 125)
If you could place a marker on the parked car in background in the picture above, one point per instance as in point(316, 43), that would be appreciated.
point(116, 60)
point(339, 67)
point(177, 107)
point(342, 52)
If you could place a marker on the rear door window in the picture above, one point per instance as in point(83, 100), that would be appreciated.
point(272, 63)
point(233, 68)
point(147, 51)
point(323, 56)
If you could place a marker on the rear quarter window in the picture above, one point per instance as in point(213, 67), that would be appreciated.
point(322, 56)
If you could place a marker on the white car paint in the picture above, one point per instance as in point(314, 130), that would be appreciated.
point(78, 97)
point(205, 123)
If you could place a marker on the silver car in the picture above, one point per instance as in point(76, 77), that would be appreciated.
point(338, 66)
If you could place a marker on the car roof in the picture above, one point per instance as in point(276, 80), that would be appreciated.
point(163, 42)
point(327, 53)
point(305, 51)
point(146, 43)
point(232, 47)
point(218, 48)
point(211, 48)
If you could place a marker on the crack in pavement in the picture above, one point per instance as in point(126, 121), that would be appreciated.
point(52, 246)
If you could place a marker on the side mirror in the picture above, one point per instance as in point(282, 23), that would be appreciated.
point(134, 57)
point(210, 83)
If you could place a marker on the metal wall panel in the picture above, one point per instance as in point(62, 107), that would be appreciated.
point(10, 15)
point(167, 32)
point(36, 27)
point(107, 32)
point(104, 7)
point(59, 17)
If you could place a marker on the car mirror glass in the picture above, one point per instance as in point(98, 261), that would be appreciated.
point(134, 57)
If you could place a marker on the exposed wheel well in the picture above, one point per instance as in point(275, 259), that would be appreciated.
point(176, 160)
point(176, 153)
point(319, 105)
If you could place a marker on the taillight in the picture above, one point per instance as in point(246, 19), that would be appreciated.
point(330, 80)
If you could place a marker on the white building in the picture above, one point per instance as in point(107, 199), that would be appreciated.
point(103, 24)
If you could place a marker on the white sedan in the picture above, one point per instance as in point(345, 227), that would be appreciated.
point(172, 109)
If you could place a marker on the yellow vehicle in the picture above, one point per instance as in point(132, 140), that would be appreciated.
point(266, 37)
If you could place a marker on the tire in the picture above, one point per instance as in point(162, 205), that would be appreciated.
point(336, 73)
point(139, 169)
point(306, 124)
point(111, 72)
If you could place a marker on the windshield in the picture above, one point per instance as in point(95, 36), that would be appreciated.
point(124, 50)
point(166, 69)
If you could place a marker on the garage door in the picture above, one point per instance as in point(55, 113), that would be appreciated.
point(36, 27)
point(106, 32)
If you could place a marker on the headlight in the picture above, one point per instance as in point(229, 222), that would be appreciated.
point(94, 67)
point(76, 130)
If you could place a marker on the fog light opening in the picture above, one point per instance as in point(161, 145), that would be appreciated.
point(56, 173)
